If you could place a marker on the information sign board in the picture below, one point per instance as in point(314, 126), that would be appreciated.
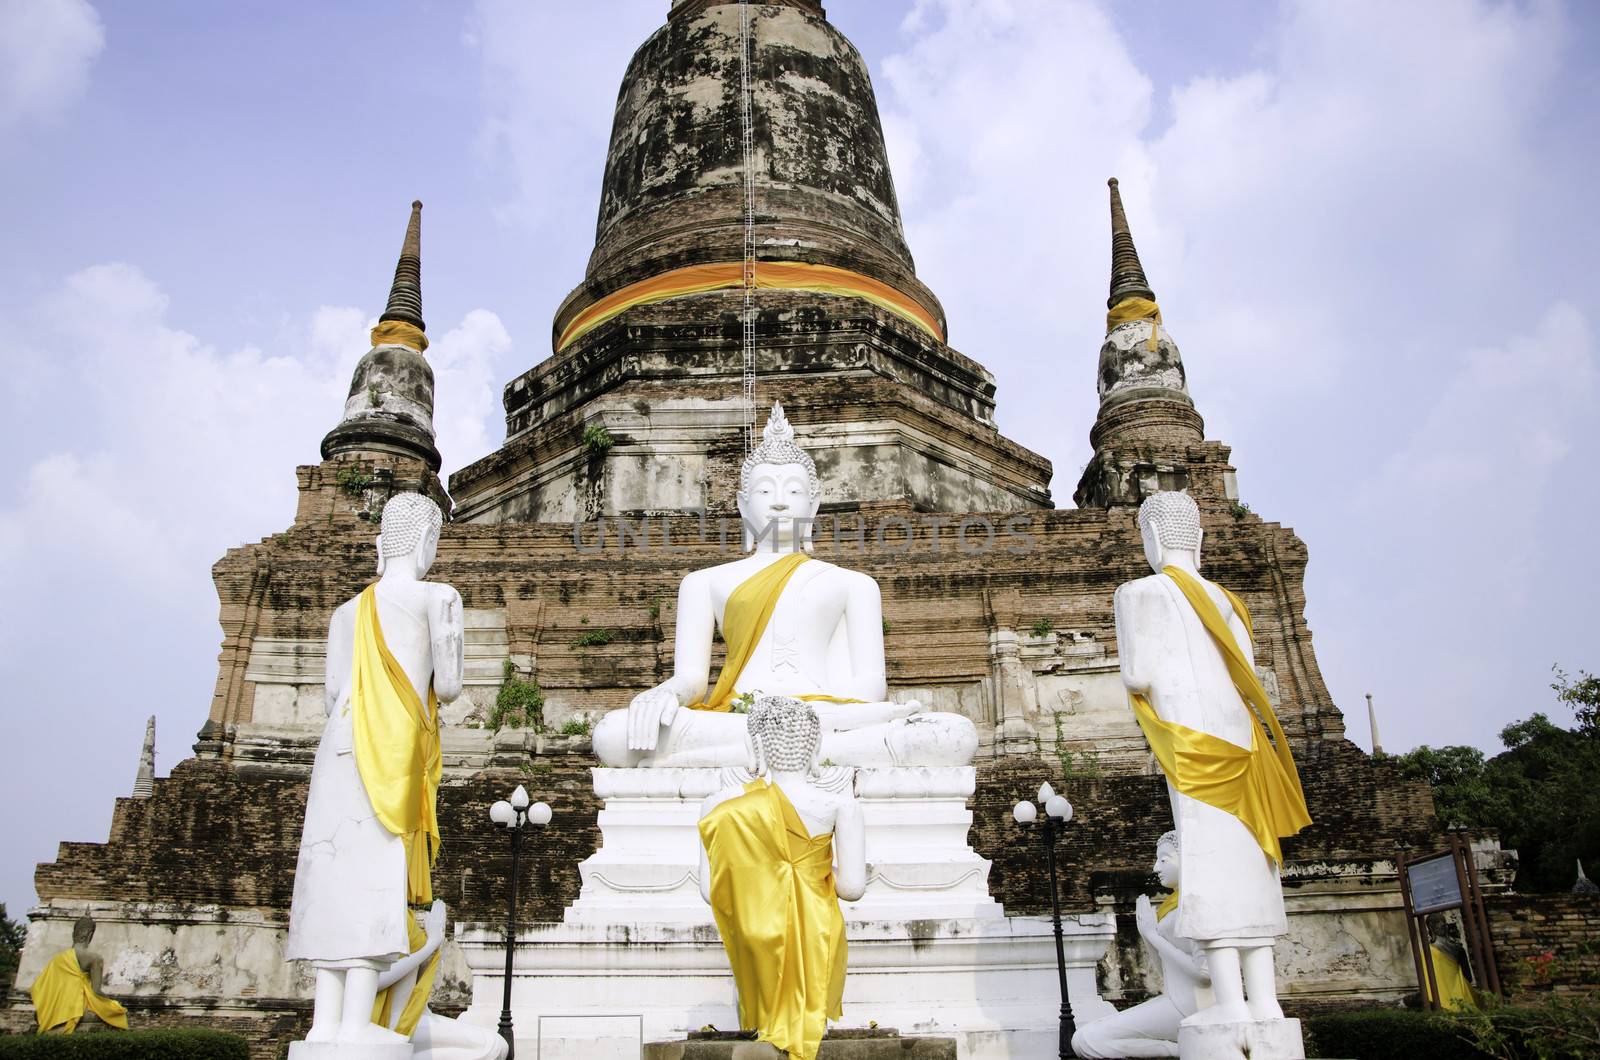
point(1434, 884)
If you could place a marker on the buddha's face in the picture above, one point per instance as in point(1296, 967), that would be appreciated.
point(1166, 866)
point(776, 496)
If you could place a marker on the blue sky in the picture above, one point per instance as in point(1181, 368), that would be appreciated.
point(1370, 227)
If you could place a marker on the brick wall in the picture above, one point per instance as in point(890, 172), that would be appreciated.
point(1546, 943)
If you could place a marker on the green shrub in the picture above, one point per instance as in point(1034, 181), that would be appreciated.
point(575, 727)
point(1385, 1033)
point(597, 439)
point(1042, 628)
point(519, 704)
point(1557, 1029)
point(174, 1043)
point(592, 638)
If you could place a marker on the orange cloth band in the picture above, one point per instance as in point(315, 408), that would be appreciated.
point(770, 275)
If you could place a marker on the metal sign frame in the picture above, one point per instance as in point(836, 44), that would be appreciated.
point(1440, 896)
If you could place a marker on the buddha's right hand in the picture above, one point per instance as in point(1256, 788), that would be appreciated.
point(648, 712)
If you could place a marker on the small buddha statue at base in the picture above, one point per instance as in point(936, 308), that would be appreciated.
point(776, 857)
point(1150, 1028)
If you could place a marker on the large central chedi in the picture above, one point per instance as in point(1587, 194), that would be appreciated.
point(749, 254)
point(649, 345)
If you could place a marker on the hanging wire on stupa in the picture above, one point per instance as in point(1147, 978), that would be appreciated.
point(749, 322)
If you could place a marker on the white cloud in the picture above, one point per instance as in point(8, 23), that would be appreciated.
point(46, 50)
point(1355, 240)
point(142, 457)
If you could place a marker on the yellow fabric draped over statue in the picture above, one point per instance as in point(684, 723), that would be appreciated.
point(1455, 992)
point(1258, 785)
point(62, 993)
point(744, 620)
point(396, 747)
point(411, 1014)
point(773, 896)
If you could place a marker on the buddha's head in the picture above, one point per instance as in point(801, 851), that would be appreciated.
point(1170, 525)
point(409, 532)
point(82, 931)
point(778, 489)
point(784, 735)
point(1166, 866)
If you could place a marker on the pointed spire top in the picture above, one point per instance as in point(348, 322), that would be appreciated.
point(1584, 885)
point(405, 297)
point(145, 779)
point(1127, 275)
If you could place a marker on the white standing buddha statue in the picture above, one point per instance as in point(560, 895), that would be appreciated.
point(1187, 661)
point(371, 834)
point(793, 626)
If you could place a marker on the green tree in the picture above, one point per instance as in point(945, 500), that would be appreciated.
point(1542, 793)
point(1582, 695)
point(11, 936)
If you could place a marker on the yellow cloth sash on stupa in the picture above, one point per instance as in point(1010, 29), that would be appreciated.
point(743, 621)
point(1455, 993)
point(1135, 308)
point(396, 747)
point(411, 1015)
point(399, 333)
point(775, 903)
point(769, 275)
point(1258, 785)
point(62, 992)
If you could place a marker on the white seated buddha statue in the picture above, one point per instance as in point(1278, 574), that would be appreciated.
point(794, 626)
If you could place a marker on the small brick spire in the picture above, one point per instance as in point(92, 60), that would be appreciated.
point(1127, 275)
point(405, 296)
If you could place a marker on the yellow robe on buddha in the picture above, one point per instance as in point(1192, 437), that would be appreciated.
point(744, 620)
point(773, 896)
point(1258, 784)
point(62, 993)
point(1455, 991)
point(396, 747)
point(410, 1015)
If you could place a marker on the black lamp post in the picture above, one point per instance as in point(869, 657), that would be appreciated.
point(1057, 812)
point(515, 814)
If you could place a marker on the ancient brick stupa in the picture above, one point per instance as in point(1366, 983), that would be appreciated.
point(641, 409)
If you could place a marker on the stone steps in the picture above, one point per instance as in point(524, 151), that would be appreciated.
point(877, 1044)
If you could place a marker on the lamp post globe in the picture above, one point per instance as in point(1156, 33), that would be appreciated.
point(1057, 812)
point(515, 815)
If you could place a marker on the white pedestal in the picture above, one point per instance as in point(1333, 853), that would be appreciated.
point(638, 958)
point(920, 865)
point(1256, 1040)
point(335, 1051)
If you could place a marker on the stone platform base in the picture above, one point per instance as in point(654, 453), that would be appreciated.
point(877, 1044)
point(335, 1051)
point(1256, 1040)
point(600, 993)
point(637, 957)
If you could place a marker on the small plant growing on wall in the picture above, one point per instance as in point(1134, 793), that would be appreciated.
point(596, 439)
point(578, 726)
point(1042, 628)
point(592, 638)
point(518, 704)
point(353, 481)
point(1239, 509)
